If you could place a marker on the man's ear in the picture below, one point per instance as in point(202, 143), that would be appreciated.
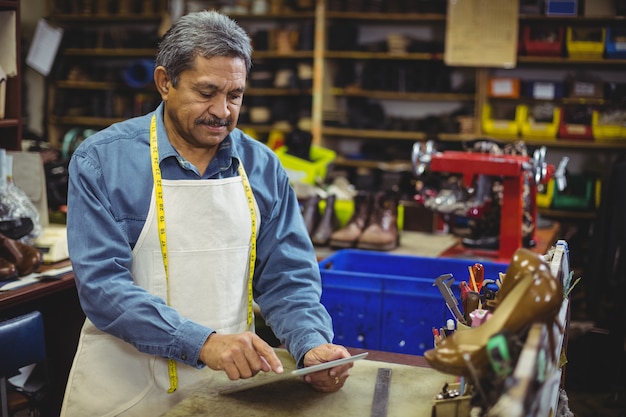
point(162, 81)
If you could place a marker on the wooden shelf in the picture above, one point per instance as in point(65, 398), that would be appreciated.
point(80, 19)
point(372, 134)
point(111, 52)
point(570, 214)
point(395, 95)
point(409, 56)
point(385, 17)
point(282, 55)
point(277, 91)
point(97, 85)
point(559, 60)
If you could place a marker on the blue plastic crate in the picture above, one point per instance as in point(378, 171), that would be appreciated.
point(615, 47)
point(388, 302)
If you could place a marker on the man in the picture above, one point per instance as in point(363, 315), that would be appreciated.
point(176, 222)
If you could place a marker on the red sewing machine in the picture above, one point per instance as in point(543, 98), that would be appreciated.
point(514, 171)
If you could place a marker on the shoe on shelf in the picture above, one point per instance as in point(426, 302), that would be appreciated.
point(26, 258)
point(348, 235)
point(381, 232)
point(327, 224)
point(536, 296)
point(311, 212)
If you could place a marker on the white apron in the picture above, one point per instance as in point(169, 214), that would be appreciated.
point(208, 226)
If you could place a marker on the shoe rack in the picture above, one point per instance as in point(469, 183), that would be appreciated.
point(103, 70)
point(352, 72)
point(11, 91)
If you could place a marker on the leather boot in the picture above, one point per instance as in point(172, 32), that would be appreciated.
point(347, 236)
point(328, 223)
point(311, 213)
point(7, 270)
point(25, 258)
point(382, 230)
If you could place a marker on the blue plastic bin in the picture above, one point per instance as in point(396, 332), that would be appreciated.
point(388, 302)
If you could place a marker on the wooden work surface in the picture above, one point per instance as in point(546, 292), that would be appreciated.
point(411, 392)
point(39, 290)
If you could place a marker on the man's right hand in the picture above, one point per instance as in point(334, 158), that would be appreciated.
point(240, 355)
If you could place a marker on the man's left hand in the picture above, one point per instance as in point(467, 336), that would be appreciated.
point(329, 380)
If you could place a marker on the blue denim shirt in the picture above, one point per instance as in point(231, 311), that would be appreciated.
point(108, 200)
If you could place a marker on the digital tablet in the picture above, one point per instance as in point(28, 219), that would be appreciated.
point(291, 374)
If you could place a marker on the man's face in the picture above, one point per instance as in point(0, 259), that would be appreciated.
point(204, 107)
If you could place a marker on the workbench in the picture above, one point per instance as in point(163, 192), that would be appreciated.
point(412, 389)
point(63, 316)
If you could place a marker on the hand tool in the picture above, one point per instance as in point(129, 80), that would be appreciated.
point(444, 282)
point(381, 393)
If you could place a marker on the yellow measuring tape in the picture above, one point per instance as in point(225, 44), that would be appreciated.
point(158, 189)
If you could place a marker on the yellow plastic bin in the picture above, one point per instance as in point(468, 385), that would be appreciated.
point(604, 130)
point(584, 42)
point(494, 124)
point(310, 172)
point(533, 129)
point(545, 195)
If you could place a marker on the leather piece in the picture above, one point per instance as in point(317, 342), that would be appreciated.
point(26, 258)
point(7, 270)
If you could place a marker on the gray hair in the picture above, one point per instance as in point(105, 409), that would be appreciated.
point(207, 34)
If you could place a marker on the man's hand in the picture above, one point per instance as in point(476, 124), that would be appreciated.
point(329, 380)
point(240, 355)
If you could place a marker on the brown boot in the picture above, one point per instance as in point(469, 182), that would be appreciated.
point(347, 236)
point(25, 258)
point(382, 230)
point(311, 213)
point(327, 224)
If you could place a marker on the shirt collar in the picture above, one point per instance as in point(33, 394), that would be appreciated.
point(226, 158)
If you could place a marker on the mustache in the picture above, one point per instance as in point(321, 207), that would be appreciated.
point(214, 121)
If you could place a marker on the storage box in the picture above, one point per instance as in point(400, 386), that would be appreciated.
point(459, 406)
point(585, 42)
point(535, 128)
point(505, 120)
point(300, 170)
point(542, 40)
point(504, 87)
point(561, 7)
point(543, 90)
point(586, 89)
point(574, 123)
point(388, 301)
point(545, 194)
point(615, 43)
point(578, 195)
point(606, 126)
